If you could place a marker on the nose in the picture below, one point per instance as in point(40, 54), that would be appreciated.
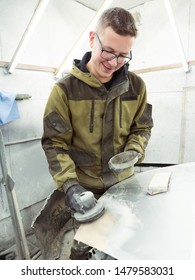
point(113, 62)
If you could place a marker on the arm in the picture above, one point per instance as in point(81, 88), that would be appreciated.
point(57, 137)
point(140, 130)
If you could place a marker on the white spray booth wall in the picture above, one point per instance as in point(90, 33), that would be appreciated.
point(170, 91)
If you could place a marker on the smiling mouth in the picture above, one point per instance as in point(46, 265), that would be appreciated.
point(107, 69)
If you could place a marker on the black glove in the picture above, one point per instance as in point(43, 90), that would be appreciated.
point(73, 198)
point(82, 202)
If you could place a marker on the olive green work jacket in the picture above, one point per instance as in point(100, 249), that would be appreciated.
point(85, 125)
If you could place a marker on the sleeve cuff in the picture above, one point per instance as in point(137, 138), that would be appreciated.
point(69, 183)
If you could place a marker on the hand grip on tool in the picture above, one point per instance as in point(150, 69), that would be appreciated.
point(86, 208)
point(124, 160)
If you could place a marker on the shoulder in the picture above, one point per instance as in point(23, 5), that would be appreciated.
point(136, 83)
point(65, 81)
point(135, 78)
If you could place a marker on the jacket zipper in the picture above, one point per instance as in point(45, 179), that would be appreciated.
point(91, 125)
point(120, 112)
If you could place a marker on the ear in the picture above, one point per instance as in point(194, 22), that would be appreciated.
point(91, 38)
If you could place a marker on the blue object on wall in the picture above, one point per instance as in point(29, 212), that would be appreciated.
point(8, 107)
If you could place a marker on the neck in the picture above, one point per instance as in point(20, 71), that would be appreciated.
point(102, 79)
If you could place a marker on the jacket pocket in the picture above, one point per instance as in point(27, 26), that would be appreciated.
point(54, 124)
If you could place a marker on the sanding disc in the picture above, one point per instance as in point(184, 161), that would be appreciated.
point(90, 215)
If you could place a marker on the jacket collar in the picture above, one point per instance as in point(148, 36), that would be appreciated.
point(119, 76)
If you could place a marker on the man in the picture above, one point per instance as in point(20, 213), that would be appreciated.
point(97, 111)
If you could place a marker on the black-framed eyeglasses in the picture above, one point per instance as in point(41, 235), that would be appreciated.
point(121, 59)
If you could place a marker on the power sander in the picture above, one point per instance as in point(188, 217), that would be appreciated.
point(92, 209)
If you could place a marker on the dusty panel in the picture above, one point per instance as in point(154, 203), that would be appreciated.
point(142, 227)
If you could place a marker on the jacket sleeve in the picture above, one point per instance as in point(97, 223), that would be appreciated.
point(57, 135)
point(140, 130)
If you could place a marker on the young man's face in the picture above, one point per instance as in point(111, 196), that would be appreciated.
point(109, 41)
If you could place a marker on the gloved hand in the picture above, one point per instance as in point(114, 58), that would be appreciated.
point(124, 160)
point(73, 198)
point(82, 202)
